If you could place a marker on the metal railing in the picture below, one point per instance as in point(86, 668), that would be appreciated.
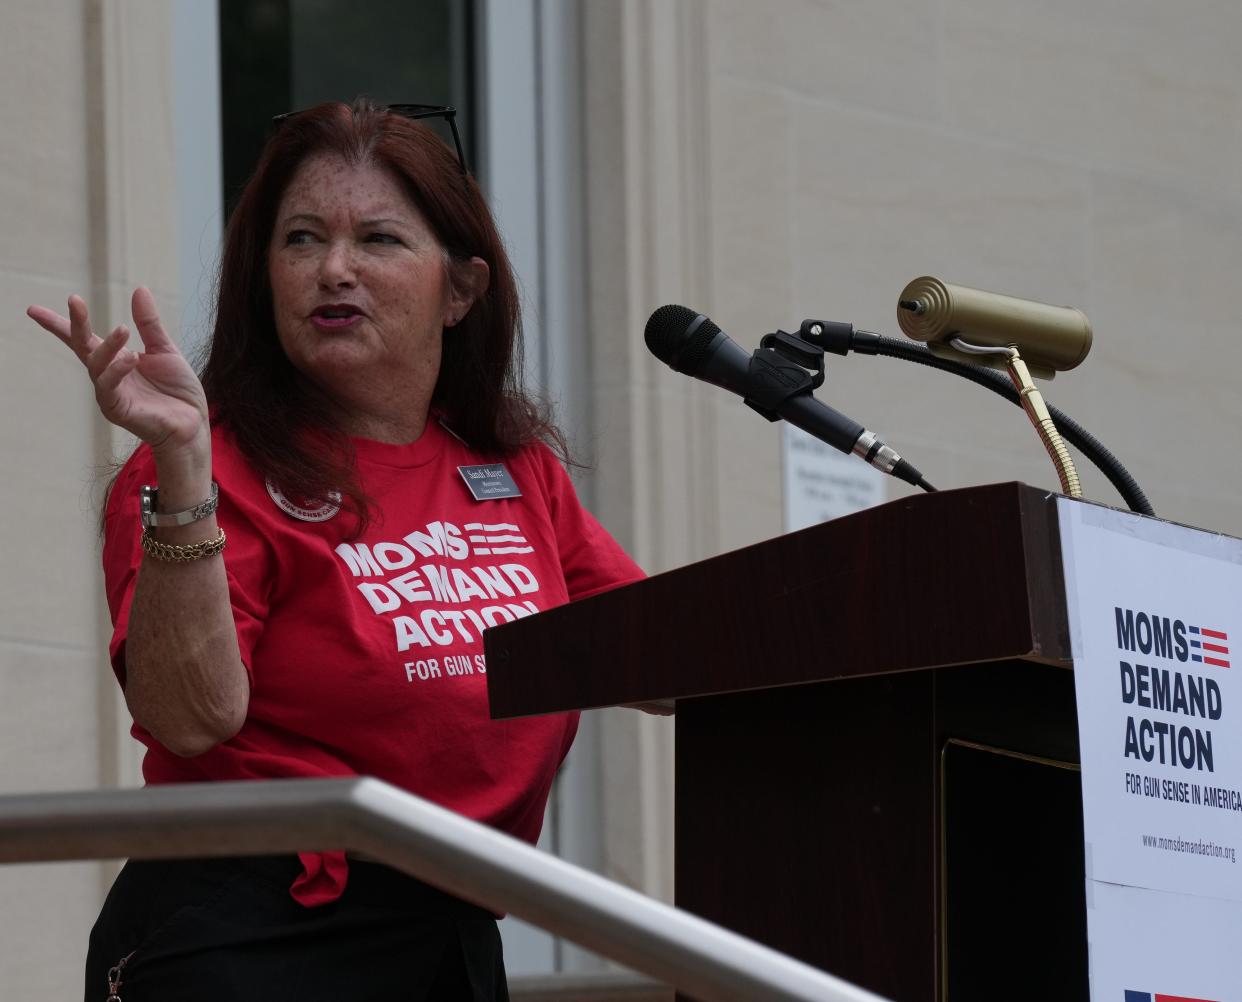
point(430, 843)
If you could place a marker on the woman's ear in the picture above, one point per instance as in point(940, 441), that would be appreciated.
point(468, 281)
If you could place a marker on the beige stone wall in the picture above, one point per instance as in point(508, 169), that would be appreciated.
point(86, 188)
point(1086, 154)
point(765, 162)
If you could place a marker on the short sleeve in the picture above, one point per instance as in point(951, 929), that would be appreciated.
point(591, 560)
point(247, 560)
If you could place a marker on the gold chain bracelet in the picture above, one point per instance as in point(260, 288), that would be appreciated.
point(171, 553)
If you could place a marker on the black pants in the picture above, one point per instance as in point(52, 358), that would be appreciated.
point(210, 930)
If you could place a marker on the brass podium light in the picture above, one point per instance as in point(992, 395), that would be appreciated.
point(977, 327)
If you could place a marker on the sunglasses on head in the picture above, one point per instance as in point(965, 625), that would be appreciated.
point(410, 111)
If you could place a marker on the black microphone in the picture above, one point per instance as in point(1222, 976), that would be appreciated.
point(690, 343)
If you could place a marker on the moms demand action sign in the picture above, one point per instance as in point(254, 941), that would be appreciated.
point(1154, 611)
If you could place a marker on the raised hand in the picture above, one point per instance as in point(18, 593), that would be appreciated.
point(184, 678)
point(154, 394)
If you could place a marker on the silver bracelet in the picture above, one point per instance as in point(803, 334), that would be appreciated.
point(151, 519)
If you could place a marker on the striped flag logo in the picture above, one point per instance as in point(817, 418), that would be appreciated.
point(499, 537)
point(1158, 997)
point(1211, 647)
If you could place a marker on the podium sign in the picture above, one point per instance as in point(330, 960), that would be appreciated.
point(1155, 618)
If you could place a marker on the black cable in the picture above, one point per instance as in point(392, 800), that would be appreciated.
point(870, 343)
point(904, 471)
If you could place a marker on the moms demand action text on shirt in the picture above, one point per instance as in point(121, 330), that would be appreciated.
point(437, 602)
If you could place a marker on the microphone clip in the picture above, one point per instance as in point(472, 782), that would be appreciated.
point(778, 370)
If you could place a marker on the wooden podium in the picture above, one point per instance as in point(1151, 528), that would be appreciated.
point(876, 739)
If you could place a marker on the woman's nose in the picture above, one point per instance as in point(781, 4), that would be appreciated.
point(337, 268)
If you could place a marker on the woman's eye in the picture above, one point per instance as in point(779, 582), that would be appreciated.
point(298, 237)
point(382, 238)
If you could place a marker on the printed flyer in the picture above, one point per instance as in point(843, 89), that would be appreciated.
point(1155, 613)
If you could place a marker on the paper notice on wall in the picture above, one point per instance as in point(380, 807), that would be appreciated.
point(822, 483)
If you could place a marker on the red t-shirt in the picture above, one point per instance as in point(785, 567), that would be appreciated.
point(365, 656)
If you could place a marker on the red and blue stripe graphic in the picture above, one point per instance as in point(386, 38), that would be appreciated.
point(1211, 647)
point(1158, 997)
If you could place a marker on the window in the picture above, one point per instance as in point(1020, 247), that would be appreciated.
point(285, 55)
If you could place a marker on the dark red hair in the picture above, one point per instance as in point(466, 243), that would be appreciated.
point(279, 419)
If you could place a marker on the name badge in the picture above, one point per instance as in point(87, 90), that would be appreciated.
point(489, 482)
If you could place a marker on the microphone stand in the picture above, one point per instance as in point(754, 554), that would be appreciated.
point(841, 339)
point(778, 372)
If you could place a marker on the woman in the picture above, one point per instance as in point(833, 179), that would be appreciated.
point(305, 593)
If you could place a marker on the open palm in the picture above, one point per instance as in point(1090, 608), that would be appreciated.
point(154, 394)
